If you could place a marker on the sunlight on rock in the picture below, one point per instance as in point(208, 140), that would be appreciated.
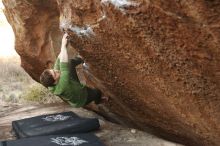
point(80, 31)
point(120, 4)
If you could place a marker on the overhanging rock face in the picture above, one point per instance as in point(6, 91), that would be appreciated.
point(159, 60)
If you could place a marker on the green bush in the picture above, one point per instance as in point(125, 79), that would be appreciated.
point(38, 93)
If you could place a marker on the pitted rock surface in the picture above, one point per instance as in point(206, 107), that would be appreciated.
point(158, 60)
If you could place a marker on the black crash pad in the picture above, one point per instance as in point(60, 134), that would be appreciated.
point(60, 123)
point(56, 140)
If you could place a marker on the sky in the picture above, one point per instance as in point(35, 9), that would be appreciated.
point(6, 36)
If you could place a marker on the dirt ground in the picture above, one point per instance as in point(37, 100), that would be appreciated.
point(110, 134)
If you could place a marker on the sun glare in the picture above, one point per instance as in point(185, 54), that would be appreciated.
point(7, 39)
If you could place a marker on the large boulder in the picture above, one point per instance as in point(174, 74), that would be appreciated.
point(34, 23)
point(158, 60)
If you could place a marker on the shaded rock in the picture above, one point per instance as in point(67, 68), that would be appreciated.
point(158, 60)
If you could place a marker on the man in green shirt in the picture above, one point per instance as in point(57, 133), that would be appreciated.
point(63, 81)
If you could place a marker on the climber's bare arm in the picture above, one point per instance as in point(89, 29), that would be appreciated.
point(63, 53)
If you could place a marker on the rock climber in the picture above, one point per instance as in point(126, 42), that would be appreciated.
point(63, 81)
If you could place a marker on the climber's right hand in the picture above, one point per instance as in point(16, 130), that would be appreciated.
point(64, 40)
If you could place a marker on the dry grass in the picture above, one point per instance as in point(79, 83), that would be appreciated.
point(38, 93)
point(18, 87)
point(12, 72)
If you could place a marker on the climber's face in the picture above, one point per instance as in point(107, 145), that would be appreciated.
point(55, 74)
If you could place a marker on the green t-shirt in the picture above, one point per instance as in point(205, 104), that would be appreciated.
point(68, 89)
